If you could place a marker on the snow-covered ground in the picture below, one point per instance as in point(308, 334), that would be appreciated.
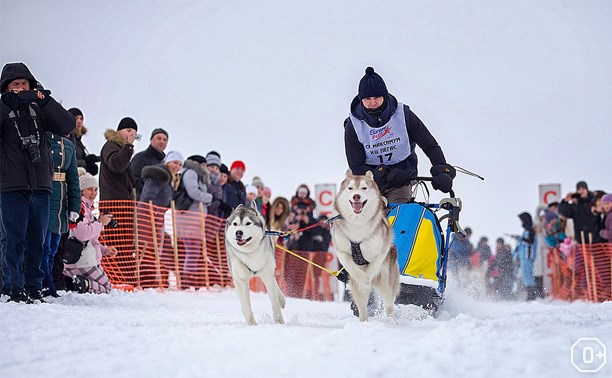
point(202, 334)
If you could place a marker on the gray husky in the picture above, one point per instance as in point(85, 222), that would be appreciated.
point(364, 242)
point(251, 253)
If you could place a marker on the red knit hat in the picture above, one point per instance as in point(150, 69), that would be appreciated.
point(238, 164)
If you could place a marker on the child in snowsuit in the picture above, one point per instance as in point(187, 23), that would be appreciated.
point(87, 274)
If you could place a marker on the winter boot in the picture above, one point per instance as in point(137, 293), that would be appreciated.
point(531, 293)
point(36, 296)
point(20, 297)
point(49, 293)
point(80, 284)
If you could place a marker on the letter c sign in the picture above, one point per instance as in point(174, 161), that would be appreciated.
point(326, 197)
point(550, 193)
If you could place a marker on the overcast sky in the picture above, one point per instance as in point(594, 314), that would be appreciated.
point(517, 91)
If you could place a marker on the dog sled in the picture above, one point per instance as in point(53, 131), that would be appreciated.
point(422, 246)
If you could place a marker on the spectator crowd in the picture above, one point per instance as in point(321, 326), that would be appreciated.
point(50, 227)
point(51, 182)
point(580, 218)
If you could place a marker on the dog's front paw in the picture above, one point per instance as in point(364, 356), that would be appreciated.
point(251, 321)
point(278, 319)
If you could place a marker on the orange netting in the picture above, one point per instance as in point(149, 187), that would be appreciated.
point(585, 273)
point(167, 248)
point(163, 248)
point(299, 279)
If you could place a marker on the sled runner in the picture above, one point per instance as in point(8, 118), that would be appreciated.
point(422, 248)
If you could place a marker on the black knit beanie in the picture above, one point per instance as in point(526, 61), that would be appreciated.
point(127, 123)
point(159, 131)
point(197, 158)
point(75, 112)
point(223, 169)
point(372, 85)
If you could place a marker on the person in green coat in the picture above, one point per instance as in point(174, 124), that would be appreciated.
point(64, 205)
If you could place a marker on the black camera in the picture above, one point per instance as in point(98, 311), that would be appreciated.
point(30, 144)
point(28, 95)
point(113, 223)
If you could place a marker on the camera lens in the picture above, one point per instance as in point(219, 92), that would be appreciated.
point(34, 153)
point(30, 144)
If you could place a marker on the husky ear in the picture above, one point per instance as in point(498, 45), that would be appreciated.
point(254, 205)
point(369, 175)
point(239, 206)
point(348, 173)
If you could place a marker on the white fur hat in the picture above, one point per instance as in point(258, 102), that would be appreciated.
point(87, 181)
point(172, 156)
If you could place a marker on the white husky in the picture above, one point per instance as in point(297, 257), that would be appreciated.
point(364, 242)
point(251, 253)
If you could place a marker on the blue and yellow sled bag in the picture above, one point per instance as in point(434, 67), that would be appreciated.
point(419, 241)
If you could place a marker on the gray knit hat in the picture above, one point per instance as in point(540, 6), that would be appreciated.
point(213, 159)
point(87, 181)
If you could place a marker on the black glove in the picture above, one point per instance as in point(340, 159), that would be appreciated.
point(12, 100)
point(15, 100)
point(443, 168)
point(380, 174)
point(398, 178)
point(442, 177)
point(90, 164)
point(91, 158)
point(44, 101)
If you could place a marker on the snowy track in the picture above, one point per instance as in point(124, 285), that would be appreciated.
point(196, 334)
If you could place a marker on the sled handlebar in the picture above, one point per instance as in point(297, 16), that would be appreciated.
point(424, 178)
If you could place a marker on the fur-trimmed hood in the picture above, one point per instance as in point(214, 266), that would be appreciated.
point(157, 172)
point(113, 136)
point(203, 173)
point(79, 133)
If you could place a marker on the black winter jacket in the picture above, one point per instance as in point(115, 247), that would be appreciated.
point(82, 155)
point(234, 193)
point(17, 171)
point(150, 156)
point(584, 220)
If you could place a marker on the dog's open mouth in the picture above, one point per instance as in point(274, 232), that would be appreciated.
point(242, 242)
point(358, 206)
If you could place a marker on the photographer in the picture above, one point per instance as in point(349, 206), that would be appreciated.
point(26, 115)
point(578, 207)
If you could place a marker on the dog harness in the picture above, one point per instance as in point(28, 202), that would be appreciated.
point(357, 255)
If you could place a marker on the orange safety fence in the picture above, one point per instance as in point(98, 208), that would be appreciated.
point(298, 278)
point(164, 248)
point(171, 249)
point(585, 273)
